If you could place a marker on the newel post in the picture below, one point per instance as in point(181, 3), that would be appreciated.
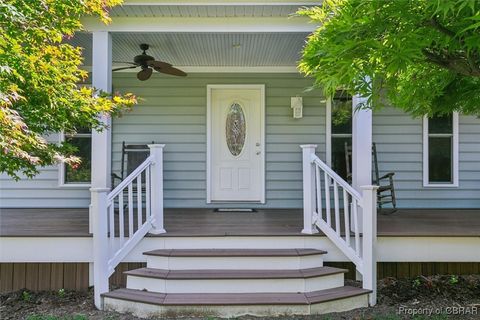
point(369, 241)
point(156, 184)
point(308, 188)
point(100, 243)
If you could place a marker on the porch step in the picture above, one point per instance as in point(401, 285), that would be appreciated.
point(245, 259)
point(150, 304)
point(227, 282)
point(235, 281)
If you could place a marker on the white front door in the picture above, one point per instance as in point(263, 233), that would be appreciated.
point(236, 143)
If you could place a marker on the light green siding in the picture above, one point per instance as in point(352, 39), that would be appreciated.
point(173, 112)
point(400, 150)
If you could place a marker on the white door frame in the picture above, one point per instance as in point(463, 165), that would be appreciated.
point(260, 87)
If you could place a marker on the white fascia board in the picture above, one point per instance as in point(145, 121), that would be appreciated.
point(214, 69)
point(207, 24)
point(220, 3)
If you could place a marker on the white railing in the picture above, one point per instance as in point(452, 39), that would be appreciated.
point(346, 217)
point(116, 207)
point(122, 217)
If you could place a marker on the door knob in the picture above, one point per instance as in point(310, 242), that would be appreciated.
point(258, 152)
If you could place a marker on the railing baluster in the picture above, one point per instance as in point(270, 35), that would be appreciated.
point(130, 210)
point(337, 207)
point(147, 193)
point(362, 251)
point(355, 226)
point(319, 191)
point(111, 223)
point(346, 204)
point(121, 218)
point(327, 198)
point(139, 201)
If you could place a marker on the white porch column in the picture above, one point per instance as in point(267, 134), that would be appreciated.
point(369, 241)
point(361, 144)
point(156, 185)
point(102, 80)
point(309, 203)
point(101, 166)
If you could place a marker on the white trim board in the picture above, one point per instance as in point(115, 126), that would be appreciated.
point(455, 155)
point(221, 3)
point(389, 249)
point(210, 87)
point(218, 69)
point(196, 25)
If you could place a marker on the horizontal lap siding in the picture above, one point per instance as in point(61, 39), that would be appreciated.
point(173, 112)
point(399, 147)
point(41, 191)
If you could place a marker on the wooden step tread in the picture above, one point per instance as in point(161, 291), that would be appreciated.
point(236, 298)
point(234, 274)
point(234, 252)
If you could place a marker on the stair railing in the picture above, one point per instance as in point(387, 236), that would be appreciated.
point(122, 217)
point(346, 217)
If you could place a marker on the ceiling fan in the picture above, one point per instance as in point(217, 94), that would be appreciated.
point(148, 64)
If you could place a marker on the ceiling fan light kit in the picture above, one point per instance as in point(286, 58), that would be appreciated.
point(148, 63)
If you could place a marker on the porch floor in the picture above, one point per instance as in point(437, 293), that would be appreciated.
point(69, 222)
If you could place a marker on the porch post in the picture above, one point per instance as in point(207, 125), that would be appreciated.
point(369, 241)
point(361, 144)
point(156, 150)
point(361, 148)
point(101, 166)
point(308, 188)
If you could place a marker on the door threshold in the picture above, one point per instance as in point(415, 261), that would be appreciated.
point(234, 210)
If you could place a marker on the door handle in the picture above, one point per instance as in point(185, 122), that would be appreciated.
point(258, 152)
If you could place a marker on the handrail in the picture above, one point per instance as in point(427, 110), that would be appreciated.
point(130, 178)
point(122, 217)
point(118, 251)
point(337, 178)
point(322, 211)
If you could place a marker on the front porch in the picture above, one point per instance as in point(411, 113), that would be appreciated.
point(68, 222)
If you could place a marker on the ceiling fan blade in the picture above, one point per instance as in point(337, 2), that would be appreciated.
point(125, 62)
point(158, 64)
point(172, 71)
point(144, 74)
point(123, 68)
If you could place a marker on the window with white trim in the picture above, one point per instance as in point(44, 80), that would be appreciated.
point(440, 151)
point(339, 131)
point(78, 175)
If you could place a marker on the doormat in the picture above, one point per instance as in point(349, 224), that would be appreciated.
point(234, 210)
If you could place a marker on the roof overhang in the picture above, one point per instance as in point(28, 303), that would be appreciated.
point(269, 34)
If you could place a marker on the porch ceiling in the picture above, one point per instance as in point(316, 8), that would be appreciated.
point(196, 11)
point(205, 49)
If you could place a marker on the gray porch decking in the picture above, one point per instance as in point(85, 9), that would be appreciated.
point(205, 222)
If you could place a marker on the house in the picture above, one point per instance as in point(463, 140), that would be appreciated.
point(240, 133)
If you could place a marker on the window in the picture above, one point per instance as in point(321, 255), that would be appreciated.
point(81, 174)
point(339, 132)
point(440, 151)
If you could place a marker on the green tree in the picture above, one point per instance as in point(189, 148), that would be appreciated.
point(39, 74)
point(419, 55)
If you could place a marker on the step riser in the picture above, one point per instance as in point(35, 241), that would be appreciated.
point(235, 285)
point(235, 263)
point(247, 242)
point(148, 310)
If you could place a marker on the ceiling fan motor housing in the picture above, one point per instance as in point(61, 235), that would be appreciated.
point(142, 59)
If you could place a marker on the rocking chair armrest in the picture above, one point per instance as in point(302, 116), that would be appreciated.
point(388, 175)
point(116, 176)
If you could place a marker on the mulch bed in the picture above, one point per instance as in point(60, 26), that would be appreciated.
point(422, 293)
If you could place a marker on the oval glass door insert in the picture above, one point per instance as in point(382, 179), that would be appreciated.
point(235, 129)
